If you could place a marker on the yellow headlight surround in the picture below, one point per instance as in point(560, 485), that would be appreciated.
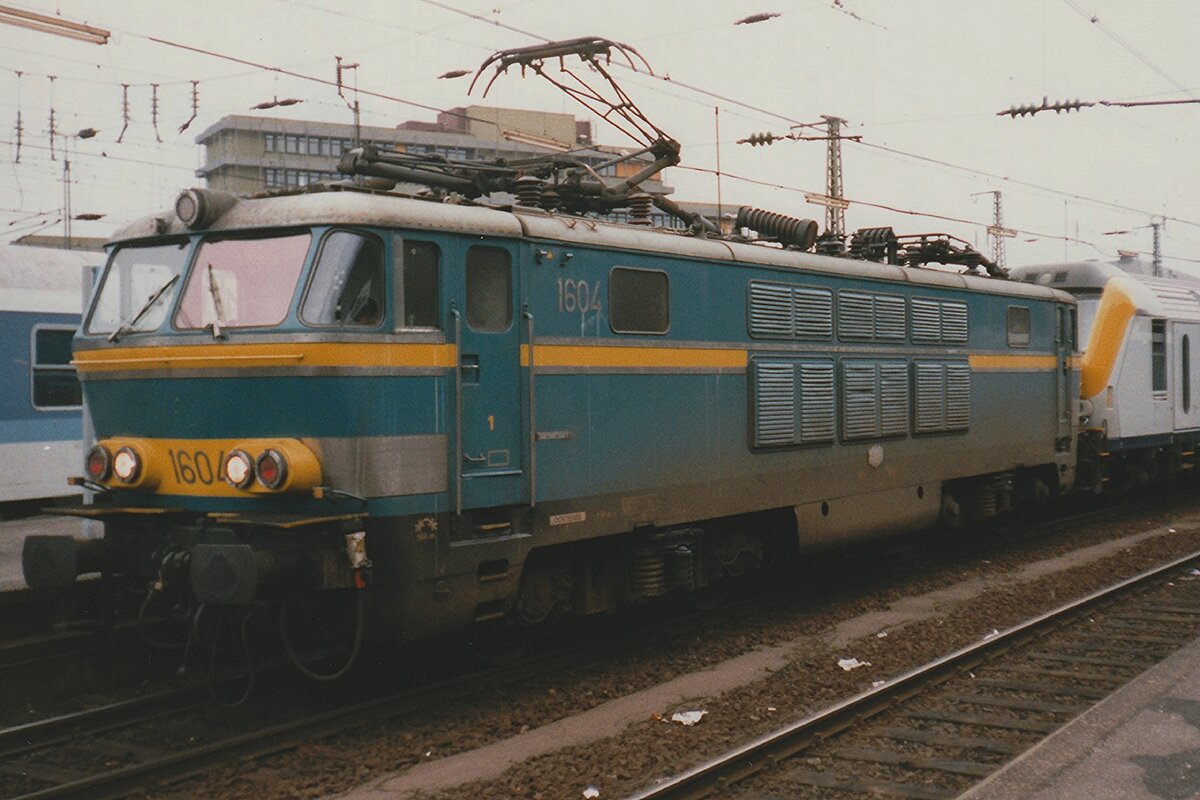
point(197, 466)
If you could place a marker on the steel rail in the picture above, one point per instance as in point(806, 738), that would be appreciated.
point(30, 736)
point(280, 736)
point(715, 775)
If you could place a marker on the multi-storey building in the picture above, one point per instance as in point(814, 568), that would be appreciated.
point(245, 154)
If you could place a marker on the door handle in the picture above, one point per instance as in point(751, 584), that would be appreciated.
point(469, 367)
point(474, 459)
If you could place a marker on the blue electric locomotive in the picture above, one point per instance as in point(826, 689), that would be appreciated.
point(474, 411)
point(515, 413)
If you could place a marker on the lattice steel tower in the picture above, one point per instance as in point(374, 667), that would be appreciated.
point(835, 217)
point(996, 230)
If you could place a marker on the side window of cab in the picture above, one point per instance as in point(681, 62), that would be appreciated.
point(417, 285)
point(347, 284)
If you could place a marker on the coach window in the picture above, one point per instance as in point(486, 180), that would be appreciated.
point(1158, 355)
point(418, 290)
point(489, 296)
point(53, 379)
point(638, 301)
point(1018, 326)
point(347, 284)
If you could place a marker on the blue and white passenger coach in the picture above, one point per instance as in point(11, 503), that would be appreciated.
point(40, 411)
point(529, 413)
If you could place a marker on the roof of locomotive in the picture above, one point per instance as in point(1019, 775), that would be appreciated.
point(391, 210)
point(1174, 298)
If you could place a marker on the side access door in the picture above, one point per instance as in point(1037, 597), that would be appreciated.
point(487, 466)
point(1186, 337)
point(1068, 388)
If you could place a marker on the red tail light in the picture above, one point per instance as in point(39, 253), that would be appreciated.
point(271, 469)
point(98, 463)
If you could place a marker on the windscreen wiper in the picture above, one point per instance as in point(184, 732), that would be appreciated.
point(218, 310)
point(127, 326)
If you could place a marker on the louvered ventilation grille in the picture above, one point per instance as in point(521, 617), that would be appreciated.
point(774, 404)
point(771, 311)
point(856, 317)
point(943, 396)
point(931, 394)
point(926, 320)
point(943, 321)
point(814, 313)
point(860, 401)
point(893, 411)
point(954, 322)
point(889, 319)
point(817, 420)
point(958, 397)
point(779, 311)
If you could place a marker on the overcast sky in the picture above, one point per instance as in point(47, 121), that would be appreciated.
point(919, 80)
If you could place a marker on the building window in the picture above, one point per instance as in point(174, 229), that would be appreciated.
point(271, 142)
point(53, 379)
point(274, 178)
point(347, 285)
point(638, 301)
point(291, 144)
point(420, 284)
point(489, 297)
point(1018, 326)
point(1158, 355)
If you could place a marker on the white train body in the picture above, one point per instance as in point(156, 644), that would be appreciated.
point(1140, 381)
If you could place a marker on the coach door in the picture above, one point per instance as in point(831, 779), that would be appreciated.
point(488, 411)
point(1185, 339)
point(1064, 340)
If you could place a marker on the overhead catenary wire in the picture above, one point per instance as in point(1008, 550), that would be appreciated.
point(792, 120)
point(911, 211)
point(795, 121)
point(1095, 21)
point(666, 79)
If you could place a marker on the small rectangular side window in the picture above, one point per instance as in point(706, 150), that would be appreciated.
point(489, 289)
point(1018, 326)
point(54, 382)
point(419, 283)
point(638, 301)
point(1158, 355)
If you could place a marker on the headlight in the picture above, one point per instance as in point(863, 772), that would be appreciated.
point(271, 469)
point(126, 465)
point(238, 469)
point(98, 463)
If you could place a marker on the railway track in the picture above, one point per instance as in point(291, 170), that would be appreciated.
point(168, 737)
point(934, 732)
point(109, 751)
